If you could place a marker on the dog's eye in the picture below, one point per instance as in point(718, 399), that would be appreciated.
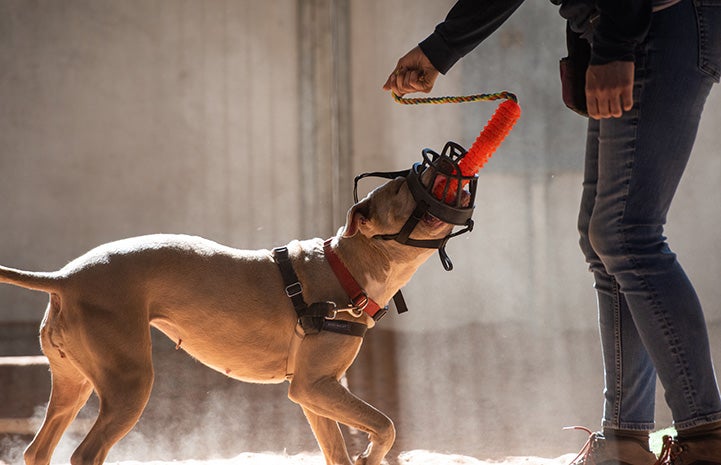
point(364, 208)
point(431, 220)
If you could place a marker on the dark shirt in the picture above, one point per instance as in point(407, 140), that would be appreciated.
point(618, 27)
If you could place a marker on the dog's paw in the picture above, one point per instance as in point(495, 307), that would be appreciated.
point(363, 460)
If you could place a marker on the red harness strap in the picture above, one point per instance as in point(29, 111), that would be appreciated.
point(357, 295)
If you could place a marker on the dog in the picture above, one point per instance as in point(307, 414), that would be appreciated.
point(228, 308)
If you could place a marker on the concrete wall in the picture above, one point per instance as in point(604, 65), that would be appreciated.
point(125, 118)
point(244, 121)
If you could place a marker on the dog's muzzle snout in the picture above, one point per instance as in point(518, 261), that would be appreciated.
point(439, 189)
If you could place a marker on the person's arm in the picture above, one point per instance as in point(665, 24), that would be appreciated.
point(468, 23)
point(621, 26)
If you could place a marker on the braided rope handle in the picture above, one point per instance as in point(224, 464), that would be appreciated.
point(505, 95)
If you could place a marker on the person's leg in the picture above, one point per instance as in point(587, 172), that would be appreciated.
point(699, 439)
point(641, 159)
point(633, 167)
point(629, 375)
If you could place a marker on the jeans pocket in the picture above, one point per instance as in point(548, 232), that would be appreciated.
point(708, 17)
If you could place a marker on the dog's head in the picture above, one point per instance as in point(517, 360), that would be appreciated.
point(418, 207)
point(386, 209)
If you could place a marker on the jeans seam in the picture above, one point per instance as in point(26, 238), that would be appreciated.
point(622, 234)
point(669, 333)
point(618, 382)
point(677, 353)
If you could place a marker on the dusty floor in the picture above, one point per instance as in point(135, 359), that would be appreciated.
point(416, 457)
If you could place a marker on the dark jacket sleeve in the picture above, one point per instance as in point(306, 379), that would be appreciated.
point(468, 23)
point(621, 26)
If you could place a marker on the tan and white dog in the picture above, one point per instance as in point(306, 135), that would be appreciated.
point(227, 308)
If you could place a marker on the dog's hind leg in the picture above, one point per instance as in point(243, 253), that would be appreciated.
point(329, 437)
point(123, 392)
point(116, 356)
point(69, 392)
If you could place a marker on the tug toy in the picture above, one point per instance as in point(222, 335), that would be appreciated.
point(488, 141)
point(444, 185)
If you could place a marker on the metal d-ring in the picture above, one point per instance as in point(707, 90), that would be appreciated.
point(355, 311)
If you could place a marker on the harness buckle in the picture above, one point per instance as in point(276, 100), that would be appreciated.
point(380, 313)
point(294, 289)
point(363, 303)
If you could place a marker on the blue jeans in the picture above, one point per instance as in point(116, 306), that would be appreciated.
point(650, 318)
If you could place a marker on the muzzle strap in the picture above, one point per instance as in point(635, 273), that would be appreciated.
point(404, 234)
point(377, 174)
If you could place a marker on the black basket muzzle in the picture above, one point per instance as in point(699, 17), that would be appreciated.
point(437, 177)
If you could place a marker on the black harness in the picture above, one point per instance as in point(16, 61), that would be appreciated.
point(317, 316)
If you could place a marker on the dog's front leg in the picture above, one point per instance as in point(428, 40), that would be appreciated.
point(328, 398)
point(321, 361)
point(329, 437)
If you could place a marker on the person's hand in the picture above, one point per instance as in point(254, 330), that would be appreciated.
point(413, 73)
point(609, 89)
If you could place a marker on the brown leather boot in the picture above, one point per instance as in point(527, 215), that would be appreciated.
point(693, 447)
point(613, 450)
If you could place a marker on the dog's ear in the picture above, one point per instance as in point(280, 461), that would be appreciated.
point(357, 218)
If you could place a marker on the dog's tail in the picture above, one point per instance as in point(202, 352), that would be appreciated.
point(38, 281)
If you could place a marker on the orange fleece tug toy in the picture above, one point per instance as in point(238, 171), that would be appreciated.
point(487, 142)
point(490, 138)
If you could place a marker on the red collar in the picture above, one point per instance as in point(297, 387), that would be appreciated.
point(357, 295)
